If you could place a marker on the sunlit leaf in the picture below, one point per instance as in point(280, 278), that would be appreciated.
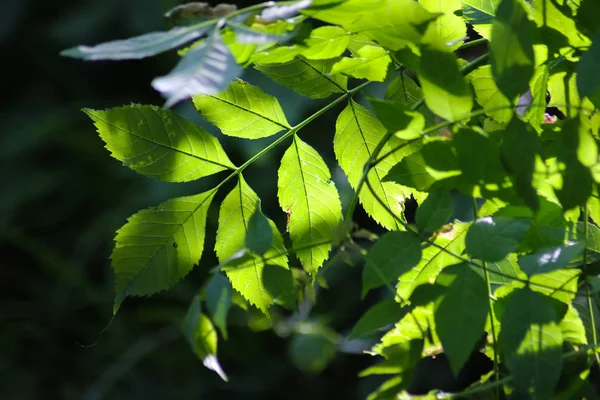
point(392, 255)
point(572, 327)
point(312, 202)
point(308, 77)
point(142, 46)
point(159, 143)
point(243, 110)
point(371, 63)
point(450, 27)
point(159, 246)
point(488, 95)
point(486, 6)
point(207, 69)
point(491, 239)
point(326, 42)
point(550, 259)
point(539, 85)
point(461, 314)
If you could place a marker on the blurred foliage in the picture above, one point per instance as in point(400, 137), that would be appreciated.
point(63, 198)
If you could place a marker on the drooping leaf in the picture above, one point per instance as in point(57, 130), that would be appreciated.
point(357, 134)
point(259, 235)
point(492, 238)
point(450, 27)
point(142, 46)
point(202, 336)
point(550, 259)
point(488, 95)
point(372, 64)
point(312, 202)
point(435, 211)
point(159, 246)
point(512, 48)
point(308, 77)
point(275, 12)
point(207, 69)
point(382, 314)
point(243, 110)
point(588, 81)
point(247, 277)
point(218, 297)
point(433, 260)
point(531, 342)
point(461, 314)
point(326, 42)
point(159, 143)
point(392, 255)
point(446, 91)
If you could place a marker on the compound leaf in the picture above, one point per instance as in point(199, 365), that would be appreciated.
point(326, 42)
point(371, 63)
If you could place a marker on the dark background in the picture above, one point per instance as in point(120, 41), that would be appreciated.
point(62, 197)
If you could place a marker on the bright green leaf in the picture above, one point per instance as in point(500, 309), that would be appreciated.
point(259, 235)
point(382, 314)
point(312, 202)
point(396, 117)
point(446, 91)
point(491, 239)
point(479, 157)
point(531, 342)
point(243, 110)
point(406, 91)
point(536, 112)
point(371, 63)
point(512, 48)
point(218, 297)
point(487, 94)
point(435, 211)
point(461, 314)
point(572, 327)
point(159, 246)
point(308, 77)
point(485, 6)
point(550, 259)
point(357, 133)
point(450, 27)
point(392, 255)
point(560, 284)
point(326, 42)
point(247, 276)
point(159, 143)
point(505, 271)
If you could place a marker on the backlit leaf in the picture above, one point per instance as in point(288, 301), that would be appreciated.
point(450, 27)
point(492, 238)
point(371, 63)
point(218, 297)
point(159, 143)
point(550, 259)
point(243, 110)
point(326, 42)
point(488, 95)
point(382, 314)
point(159, 246)
point(312, 202)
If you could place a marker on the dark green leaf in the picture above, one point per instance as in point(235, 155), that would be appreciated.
point(159, 143)
point(461, 314)
point(478, 157)
point(218, 297)
point(491, 239)
point(382, 314)
point(140, 46)
point(435, 211)
point(400, 357)
point(531, 342)
point(512, 48)
point(550, 259)
point(312, 352)
point(207, 69)
point(159, 246)
point(396, 117)
point(259, 235)
point(392, 255)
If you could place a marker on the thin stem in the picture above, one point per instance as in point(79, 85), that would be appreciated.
point(486, 275)
point(472, 43)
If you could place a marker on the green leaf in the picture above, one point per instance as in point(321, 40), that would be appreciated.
point(446, 91)
point(326, 42)
point(485, 6)
point(308, 77)
point(277, 55)
point(247, 35)
point(357, 133)
point(450, 27)
point(247, 276)
point(419, 323)
point(400, 358)
point(511, 48)
point(433, 260)
point(491, 239)
point(382, 314)
point(531, 342)
point(202, 336)
point(487, 94)
point(560, 284)
point(372, 64)
point(461, 314)
point(505, 271)
point(137, 47)
point(392, 255)
point(259, 235)
point(572, 327)
point(218, 297)
point(558, 27)
point(536, 112)
point(481, 21)
point(396, 117)
point(159, 143)
point(562, 86)
point(159, 246)
point(550, 259)
point(276, 12)
point(435, 211)
point(312, 351)
point(207, 69)
point(309, 197)
point(478, 157)
point(243, 110)
point(406, 91)
point(520, 146)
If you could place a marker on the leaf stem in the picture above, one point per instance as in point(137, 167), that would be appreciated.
point(472, 43)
